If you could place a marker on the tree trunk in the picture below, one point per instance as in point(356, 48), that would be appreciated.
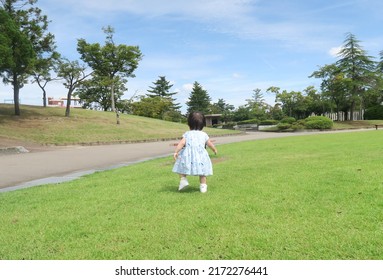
point(113, 104)
point(112, 98)
point(352, 110)
point(16, 95)
point(117, 116)
point(44, 98)
point(69, 99)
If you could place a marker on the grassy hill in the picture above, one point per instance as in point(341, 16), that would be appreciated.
point(49, 126)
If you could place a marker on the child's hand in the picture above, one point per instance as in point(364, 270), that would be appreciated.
point(175, 156)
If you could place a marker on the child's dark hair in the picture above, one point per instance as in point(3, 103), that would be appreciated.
point(196, 121)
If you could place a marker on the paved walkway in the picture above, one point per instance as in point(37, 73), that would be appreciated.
point(60, 164)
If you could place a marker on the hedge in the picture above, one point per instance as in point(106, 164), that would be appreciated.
point(318, 122)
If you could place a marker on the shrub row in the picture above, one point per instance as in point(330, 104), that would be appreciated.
point(290, 123)
point(318, 122)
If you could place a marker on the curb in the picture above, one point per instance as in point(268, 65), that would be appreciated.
point(13, 150)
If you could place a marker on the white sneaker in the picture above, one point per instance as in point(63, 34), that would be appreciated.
point(203, 188)
point(183, 184)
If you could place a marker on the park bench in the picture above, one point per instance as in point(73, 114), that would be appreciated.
point(377, 125)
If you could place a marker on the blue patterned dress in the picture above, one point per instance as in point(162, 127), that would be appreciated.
point(193, 159)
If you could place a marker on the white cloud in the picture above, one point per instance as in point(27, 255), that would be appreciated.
point(236, 75)
point(334, 52)
point(295, 26)
point(187, 87)
point(246, 19)
point(194, 8)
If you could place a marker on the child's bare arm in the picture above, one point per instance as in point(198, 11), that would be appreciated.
point(211, 146)
point(179, 147)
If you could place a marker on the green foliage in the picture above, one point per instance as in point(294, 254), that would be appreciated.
point(276, 112)
point(268, 122)
point(374, 113)
point(289, 120)
point(24, 41)
point(251, 121)
point(258, 108)
point(294, 103)
point(199, 100)
point(283, 126)
point(111, 62)
point(95, 93)
point(221, 107)
point(298, 125)
point(151, 107)
point(162, 88)
point(241, 114)
point(318, 122)
point(352, 81)
point(16, 51)
point(173, 116)
point(228, 125)
point(74, 75)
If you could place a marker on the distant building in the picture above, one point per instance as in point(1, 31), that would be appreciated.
point(213, 119)
point(62, 102)
point(55, 102)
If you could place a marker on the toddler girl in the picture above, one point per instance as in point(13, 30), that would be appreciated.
point(191, 156)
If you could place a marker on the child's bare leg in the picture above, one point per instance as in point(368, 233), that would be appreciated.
point(202, 179)
point(202, 186)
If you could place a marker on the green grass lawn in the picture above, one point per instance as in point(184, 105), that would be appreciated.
point(304, 197)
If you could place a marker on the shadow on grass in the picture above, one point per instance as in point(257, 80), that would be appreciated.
point(174, 189)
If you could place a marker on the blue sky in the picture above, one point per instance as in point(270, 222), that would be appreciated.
point(230, 47)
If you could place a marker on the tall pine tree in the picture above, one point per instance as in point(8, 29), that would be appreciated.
point(161, 89)
point(199, 100)
point(359, 68)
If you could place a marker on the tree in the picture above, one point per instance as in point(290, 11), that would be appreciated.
point(358, 67)
point(334, 86)
point(162, 88)
point(317, 103)
point(151, 107)
point(112, 62)
point(242, 113)
point(378, 87)
point(257, 105)
point(16, 54)
point(42, 72)
point(74, 75)
point(199, 100)
point(25, 41)
point(10, 35)
point(221, 107)
point(95, 92)
point(293, 103)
